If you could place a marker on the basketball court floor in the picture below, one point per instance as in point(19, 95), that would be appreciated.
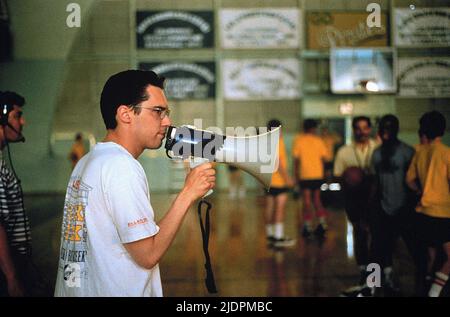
point(243, 264)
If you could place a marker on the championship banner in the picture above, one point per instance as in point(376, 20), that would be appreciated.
point(424, 77)
point(174, 29)
point(186, 80)
point(422, 27)
point(338, 29)
point(261, 79)
point(260, 28)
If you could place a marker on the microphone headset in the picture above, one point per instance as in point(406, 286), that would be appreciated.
point(4, 115)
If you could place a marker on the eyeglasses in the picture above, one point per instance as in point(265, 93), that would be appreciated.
point(162, 112)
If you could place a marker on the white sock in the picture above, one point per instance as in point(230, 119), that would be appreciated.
point(438, 284)
point(269, 230)
point(279, 230)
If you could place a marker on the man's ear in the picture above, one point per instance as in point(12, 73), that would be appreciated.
point(123, 114)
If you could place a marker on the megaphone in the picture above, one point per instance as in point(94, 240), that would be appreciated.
point(255, 154)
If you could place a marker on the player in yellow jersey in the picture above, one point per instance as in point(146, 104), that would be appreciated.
point(310, 153)
point(277, 197)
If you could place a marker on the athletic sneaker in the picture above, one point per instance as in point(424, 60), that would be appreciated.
point(367, 292)
point(270, 240)
point(352, 291)
point(359, 291)
point(283, 242)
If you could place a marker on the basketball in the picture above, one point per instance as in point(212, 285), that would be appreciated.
point(353, 176)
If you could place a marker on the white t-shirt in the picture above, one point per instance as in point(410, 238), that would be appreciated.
point(107, 204)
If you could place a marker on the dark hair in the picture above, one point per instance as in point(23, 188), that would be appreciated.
point(309, 124)
point(126, 88)
point(79, 136)
point(360, 118)
point(388, 124)
point(432, 125)
point(273, 123)
point(11, 98)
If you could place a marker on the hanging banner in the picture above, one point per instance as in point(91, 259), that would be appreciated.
point(193, 80)
point(424, 77)
point(422, 27)
point(260, 28)
point(338, 29)
point(261, 79)
point(174, 29)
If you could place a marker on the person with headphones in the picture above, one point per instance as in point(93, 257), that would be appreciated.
point(15, 234)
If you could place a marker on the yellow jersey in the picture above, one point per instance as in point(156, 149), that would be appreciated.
point(431, 166)
point(311, 151)
point(278, 180)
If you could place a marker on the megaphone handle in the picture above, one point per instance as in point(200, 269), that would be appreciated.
point(193, 163)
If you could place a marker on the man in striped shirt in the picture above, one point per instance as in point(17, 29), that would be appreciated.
point(15, 240)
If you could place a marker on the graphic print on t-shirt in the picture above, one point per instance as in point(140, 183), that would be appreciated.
point(74, 232)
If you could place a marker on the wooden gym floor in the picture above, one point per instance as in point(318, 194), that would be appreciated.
point(243, 264)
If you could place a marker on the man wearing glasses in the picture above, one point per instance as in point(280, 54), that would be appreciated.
point(110, 243)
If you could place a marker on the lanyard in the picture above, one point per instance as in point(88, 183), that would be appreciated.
point(364, 165)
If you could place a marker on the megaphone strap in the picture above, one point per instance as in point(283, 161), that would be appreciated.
point(209, 281)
